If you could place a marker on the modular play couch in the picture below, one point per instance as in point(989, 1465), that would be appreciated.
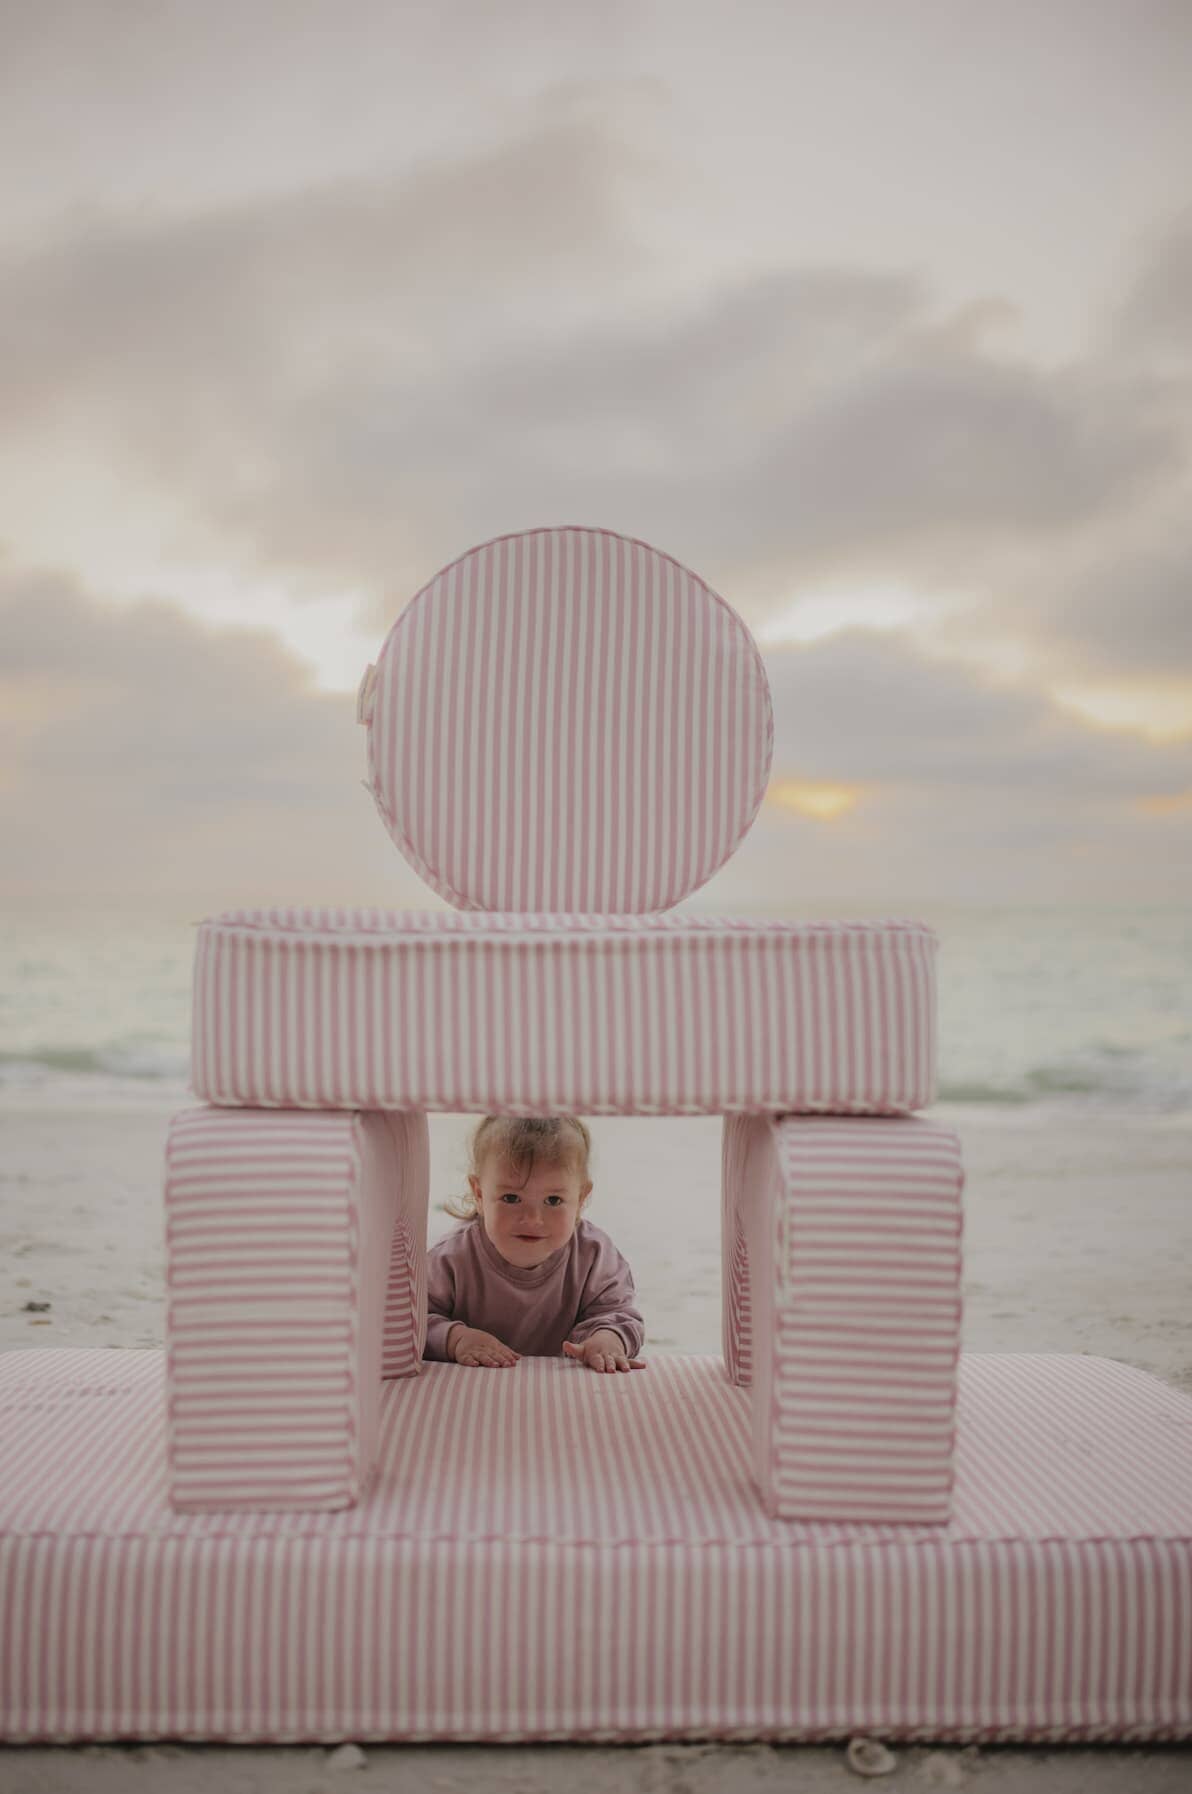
point(289, 1527)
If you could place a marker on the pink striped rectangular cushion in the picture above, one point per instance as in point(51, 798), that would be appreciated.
point(295, 1278)
point(551, 1554)
point(645, 1015)
point(842, 1309)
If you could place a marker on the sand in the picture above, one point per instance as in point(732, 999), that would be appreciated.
point(1078, 1239)
point(572, 1769)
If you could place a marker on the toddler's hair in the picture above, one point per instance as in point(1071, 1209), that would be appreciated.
point(521, 1140)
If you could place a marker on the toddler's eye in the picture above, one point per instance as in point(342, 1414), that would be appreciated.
point(556, 1200)
point(510, 1196)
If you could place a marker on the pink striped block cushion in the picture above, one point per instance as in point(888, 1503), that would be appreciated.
point(567, 720)
point(600, 1015)
point(295, 1268)
point(619, 1549)
point(842, 1309)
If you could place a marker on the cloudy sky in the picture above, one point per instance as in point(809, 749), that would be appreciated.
point(877, 313)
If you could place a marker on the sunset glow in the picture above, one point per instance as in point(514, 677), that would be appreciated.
point(1171, 804)
point(823, 803)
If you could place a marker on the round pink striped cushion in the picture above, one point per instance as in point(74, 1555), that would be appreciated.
point(568, 720)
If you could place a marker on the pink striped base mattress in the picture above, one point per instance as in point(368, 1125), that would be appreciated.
point(549, 1554)
point(672, 1014)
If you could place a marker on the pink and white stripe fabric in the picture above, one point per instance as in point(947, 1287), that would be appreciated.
point(567, 720)
point(403, 1327)
point(842, 1309)
point(295, 1261)
point(598, 1015)
point(617, 1545)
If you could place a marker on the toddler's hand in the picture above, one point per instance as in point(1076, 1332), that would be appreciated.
point(603, 1351)
point(468, 1345)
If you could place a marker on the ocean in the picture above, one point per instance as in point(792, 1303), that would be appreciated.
point(1065, 1008)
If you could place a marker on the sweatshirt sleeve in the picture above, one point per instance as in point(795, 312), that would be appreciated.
point(440, 1303)
point(609, 1301)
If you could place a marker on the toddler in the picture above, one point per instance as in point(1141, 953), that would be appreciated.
point(527, 1276)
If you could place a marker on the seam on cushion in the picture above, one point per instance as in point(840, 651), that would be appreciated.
point(320, 1536)
point(954, 1402)
point(455, 1105)
point(401, 1155)
point(356, 1176)
point(1107, 1732)
point(398, 834)
point(494, 1106)
point(571, 931)
point(170, 1345)
point(780, 1230)
point(619, 922)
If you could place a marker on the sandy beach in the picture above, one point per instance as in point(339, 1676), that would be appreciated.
point(1078, 1238)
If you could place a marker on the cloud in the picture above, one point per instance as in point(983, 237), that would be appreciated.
point(279, 295)
point(966, 792)
point(148, 757)
point(864, 708)
point(163, 109)
point(1154, 317)
point(1109, 610)
point(1130, 615)
point(349, 386)
point(1113, 606)
point(301, 373)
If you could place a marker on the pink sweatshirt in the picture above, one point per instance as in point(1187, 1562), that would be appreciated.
point(582, 1287)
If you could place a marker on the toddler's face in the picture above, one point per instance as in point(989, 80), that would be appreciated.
point(528, 1218)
